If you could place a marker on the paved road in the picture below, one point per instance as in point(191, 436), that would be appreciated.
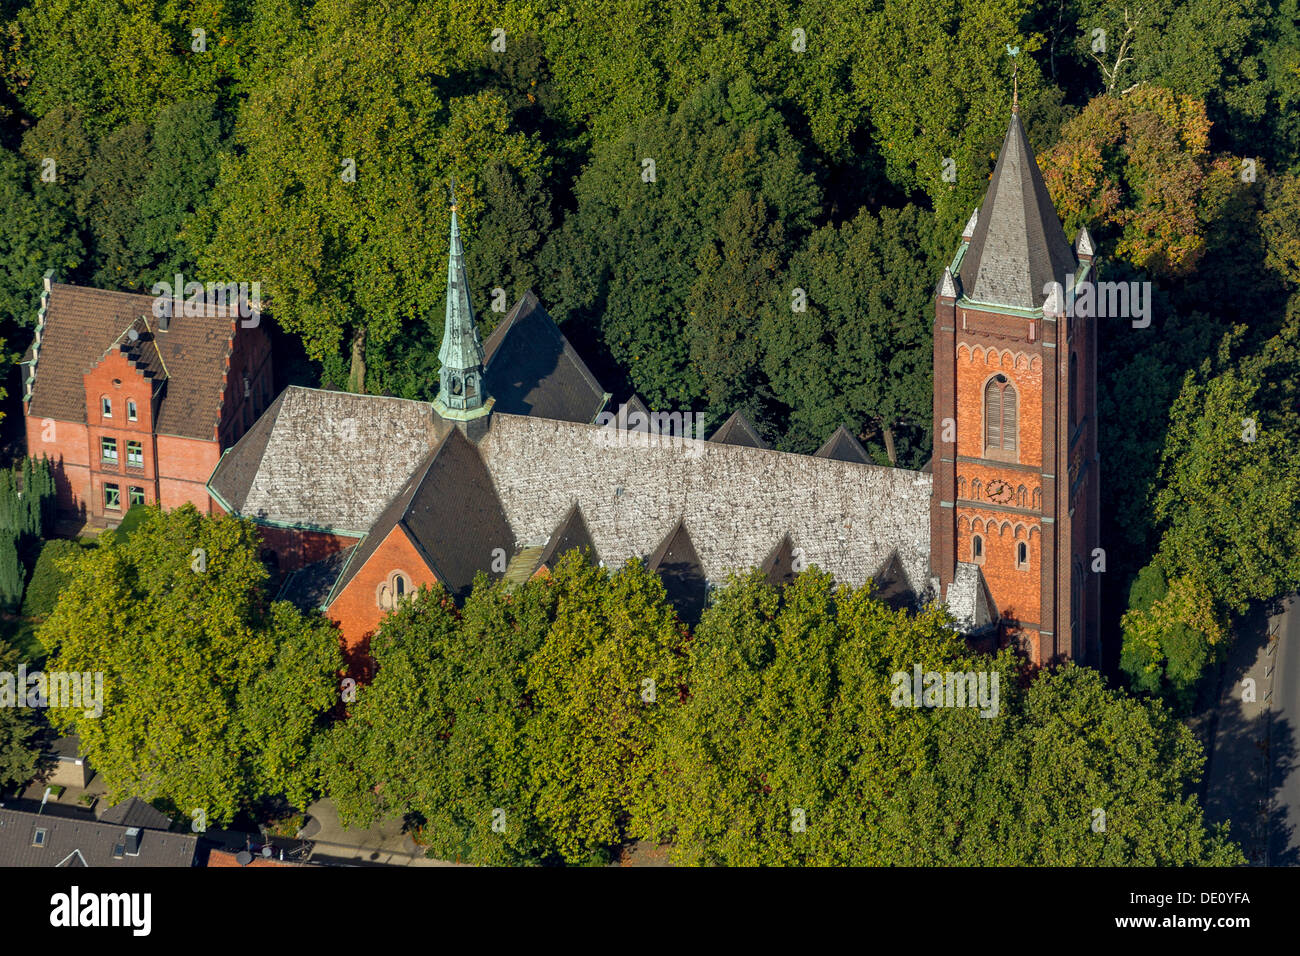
point(1284, 740)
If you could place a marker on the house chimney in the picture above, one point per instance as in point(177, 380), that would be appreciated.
point(133, 841)
point(165, 319)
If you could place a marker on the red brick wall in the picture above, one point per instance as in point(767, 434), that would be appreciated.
point(186, 464)
point(296, 548)
point(65, 444)
point(250, 359)
point(357, 608)
point(1015, 591)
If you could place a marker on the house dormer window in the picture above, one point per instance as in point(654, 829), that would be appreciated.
point(131, 411)
point(106, 406)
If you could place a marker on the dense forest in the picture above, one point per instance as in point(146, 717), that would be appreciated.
point(667, 178)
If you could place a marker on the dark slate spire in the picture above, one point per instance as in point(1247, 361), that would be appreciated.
point(1018, 245)
point(460, 383)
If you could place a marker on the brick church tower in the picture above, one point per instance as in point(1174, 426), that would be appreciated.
point(1015, 462)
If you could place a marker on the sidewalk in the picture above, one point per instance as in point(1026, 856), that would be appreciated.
point(383, 844)
point(1236, 785)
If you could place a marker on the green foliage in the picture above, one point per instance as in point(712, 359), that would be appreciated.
point(27, 501)
point(1230, 477)
point(343, 259)
point(519, 730)
point(213, 695)
point(120, 61)
point(39, 234)
point(794, 706)
point(1138, 170)
point(732, 193)
point(1239, 60)
point(49, 577)
point(135, 516)
point(11, 572)
point(861, 354)
point(21, 737)
point(1171, 636)
point(613, 640)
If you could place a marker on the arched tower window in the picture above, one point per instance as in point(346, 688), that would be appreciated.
point(1001, 423)
point(977, 549)
point(1022, 556)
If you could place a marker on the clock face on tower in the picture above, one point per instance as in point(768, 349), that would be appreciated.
point(999, 491)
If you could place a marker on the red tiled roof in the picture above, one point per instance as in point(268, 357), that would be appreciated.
point(222, 859)
point(82, 324)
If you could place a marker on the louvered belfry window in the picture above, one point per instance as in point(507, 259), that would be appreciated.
point(1001, 410)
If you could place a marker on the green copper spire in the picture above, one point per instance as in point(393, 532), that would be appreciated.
point(460, 383)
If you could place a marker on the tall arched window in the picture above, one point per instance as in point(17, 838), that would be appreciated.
point(977, 549)
point(1001, 424)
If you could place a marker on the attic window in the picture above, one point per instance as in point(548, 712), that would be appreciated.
point(38, 838)
point(131, 410)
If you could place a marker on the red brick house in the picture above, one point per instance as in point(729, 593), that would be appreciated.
point(133, 407)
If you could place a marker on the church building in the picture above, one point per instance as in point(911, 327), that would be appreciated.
point(362, 499)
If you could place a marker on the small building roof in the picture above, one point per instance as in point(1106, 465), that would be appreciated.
point(842, 446)
point(134, 812)
point(569, 534)
point(326, 460)
point(778, 566)
point(533, 370)
point(737, 430)
point(309, 588)
point(70, 842)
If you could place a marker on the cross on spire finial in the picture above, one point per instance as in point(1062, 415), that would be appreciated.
point(1014, 51)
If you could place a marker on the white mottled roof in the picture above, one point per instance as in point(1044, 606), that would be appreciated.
point(327, 460)
point(738, 501)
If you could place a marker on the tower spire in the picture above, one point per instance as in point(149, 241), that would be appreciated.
point(460, 382)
